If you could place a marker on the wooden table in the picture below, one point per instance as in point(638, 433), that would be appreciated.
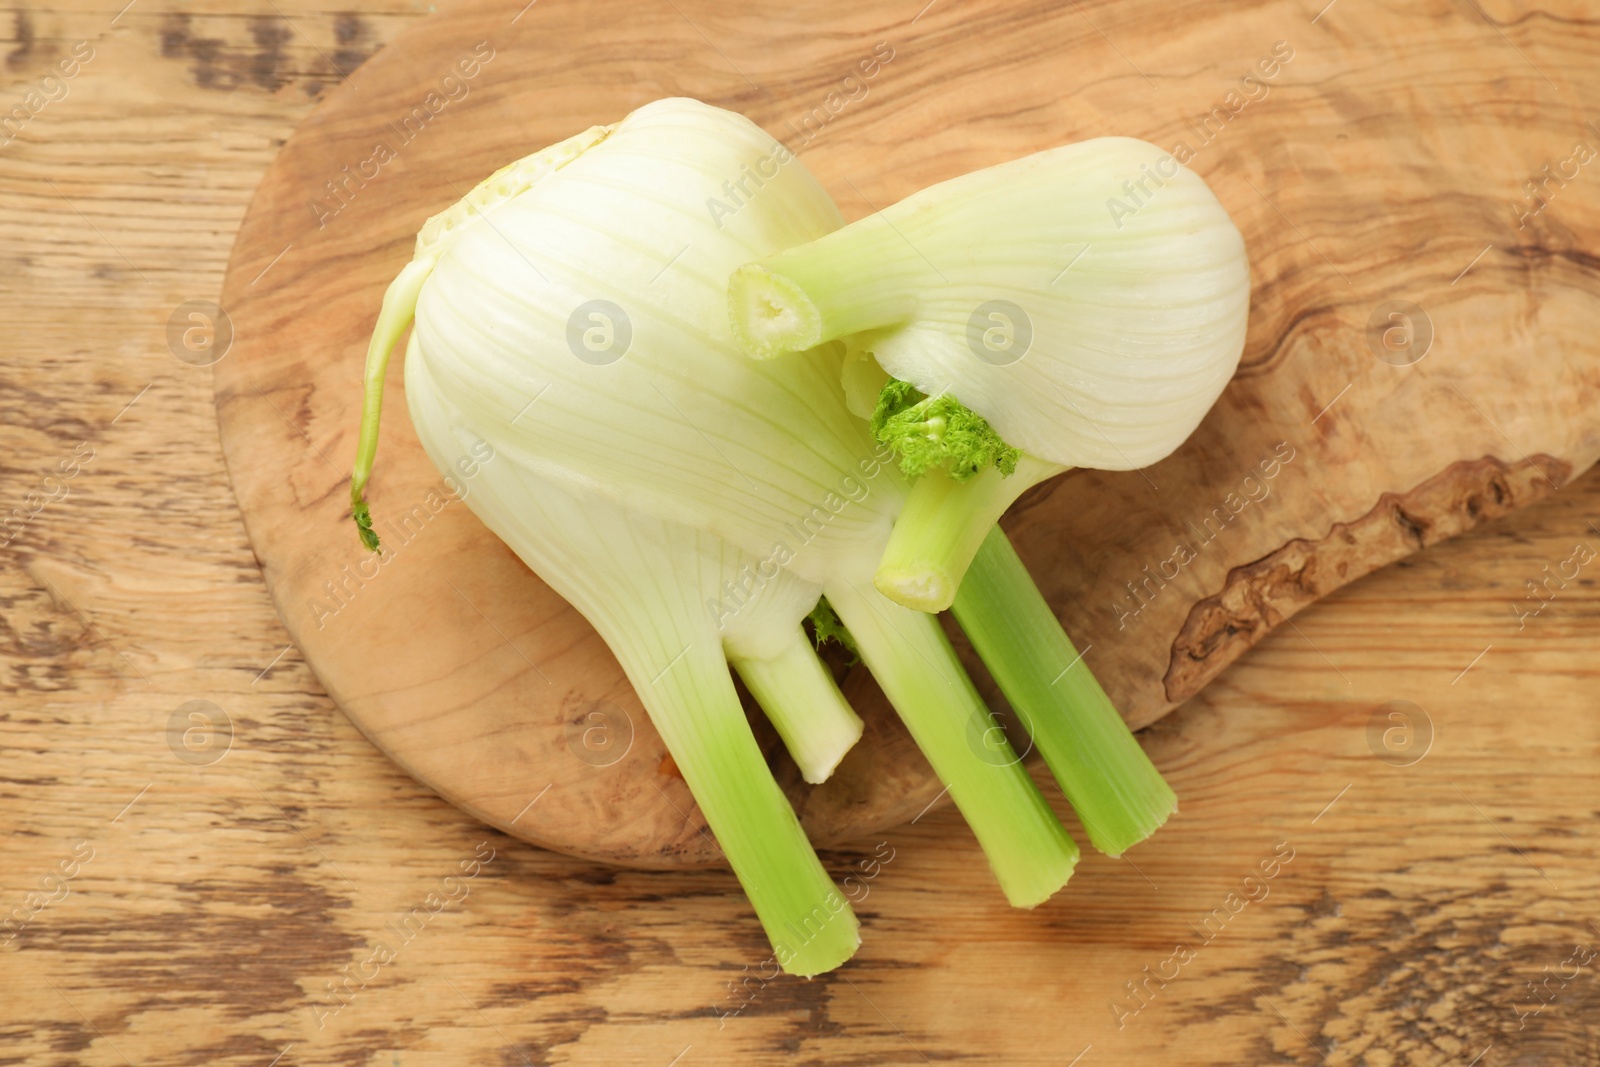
point(222, 908)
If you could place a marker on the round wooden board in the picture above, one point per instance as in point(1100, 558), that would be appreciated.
point(1420, 356)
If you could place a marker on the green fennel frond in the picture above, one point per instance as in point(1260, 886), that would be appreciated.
point(363, 516)
point(929, 432)
point(825, 626)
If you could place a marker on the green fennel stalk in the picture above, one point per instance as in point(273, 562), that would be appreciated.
point(1030, 852)
point(1119, 796)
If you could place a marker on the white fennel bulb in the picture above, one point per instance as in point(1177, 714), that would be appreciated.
point(573, 312)
point(1080, 307)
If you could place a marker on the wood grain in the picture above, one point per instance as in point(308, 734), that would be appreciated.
point(222, 901)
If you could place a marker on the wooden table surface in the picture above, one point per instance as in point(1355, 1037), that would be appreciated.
point(1434, 899)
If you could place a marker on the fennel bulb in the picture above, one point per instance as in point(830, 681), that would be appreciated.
point(764, 456)
point(665, 445)
point(1011, 323)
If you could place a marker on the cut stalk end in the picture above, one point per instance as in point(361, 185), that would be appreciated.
point(941, 528)
point(921, 586)
point(808, 962)
point(771, 314)
point(824, 759)
point(800, 699)
point(938, 533)
point(1030, 894)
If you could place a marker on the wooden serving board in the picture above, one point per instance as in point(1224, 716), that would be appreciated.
point(1421, 355)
